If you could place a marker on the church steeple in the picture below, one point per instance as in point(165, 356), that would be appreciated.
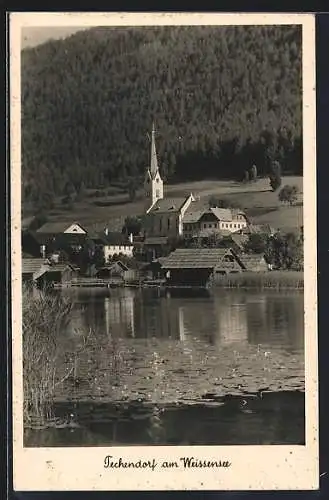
point(154, 160)
point(153, 184)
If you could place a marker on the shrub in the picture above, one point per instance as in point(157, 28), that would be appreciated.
point(288, 194)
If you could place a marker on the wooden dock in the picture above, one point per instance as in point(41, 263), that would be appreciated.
point(108, 283)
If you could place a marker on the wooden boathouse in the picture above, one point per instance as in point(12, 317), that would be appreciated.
point(198, 267)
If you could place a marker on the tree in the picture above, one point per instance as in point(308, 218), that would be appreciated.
point(285, 251)
point(38, 220)
point(288, 194)
point(132, 187)
point(87, 257)
point(257, 243)
point(246, 176)
point(253, 173)
point(69, 189)
point(275, 175)
point(44, 201)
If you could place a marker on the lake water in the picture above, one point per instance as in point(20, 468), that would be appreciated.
point(217, 367)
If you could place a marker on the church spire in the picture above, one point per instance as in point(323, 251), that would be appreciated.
point(154, 161)
point(153, 184)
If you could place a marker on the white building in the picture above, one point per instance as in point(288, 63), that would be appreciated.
point(213, 220)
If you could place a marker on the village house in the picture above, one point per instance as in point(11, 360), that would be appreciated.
point(196, 267)
point(207, 221)
point(42, 272)
point(52, 237)
point(57, 274)
point(116, 270)
point(114, 243)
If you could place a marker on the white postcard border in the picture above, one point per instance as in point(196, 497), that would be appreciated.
point(253, 467)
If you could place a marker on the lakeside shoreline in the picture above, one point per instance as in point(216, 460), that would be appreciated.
point(275, 280)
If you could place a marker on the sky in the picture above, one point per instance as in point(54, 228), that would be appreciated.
point(33, 36)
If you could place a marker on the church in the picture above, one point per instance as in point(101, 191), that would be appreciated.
point(163, 216)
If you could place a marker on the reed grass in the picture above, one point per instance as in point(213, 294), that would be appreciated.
point(47, 366)
point(276, 280)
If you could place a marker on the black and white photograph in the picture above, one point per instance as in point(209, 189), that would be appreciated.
point(162, 230)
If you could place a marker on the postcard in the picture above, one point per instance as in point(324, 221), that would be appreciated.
point(163, 208)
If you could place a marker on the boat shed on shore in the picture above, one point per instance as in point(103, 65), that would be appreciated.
point(197, 267)
point(33, 269)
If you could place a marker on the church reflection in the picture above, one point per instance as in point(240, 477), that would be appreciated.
point(119, 315)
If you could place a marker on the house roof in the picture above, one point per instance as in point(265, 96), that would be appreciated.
point(193, 216)
point(259, 229)
point(239, 239)
point(31, 266)
point(156, 240)
point(170, 205)
point(112, 238)
point(56, 227)
point(195, 258)
point(114, 264)
point(249, 261)
point(46, 238)
point(55, 268)
point(40, 238)
point(222, 214)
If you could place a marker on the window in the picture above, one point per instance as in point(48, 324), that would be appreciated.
point(168, 223)
point(160, 224)
point(235, 225)
point(157, 193)
point(226, 225)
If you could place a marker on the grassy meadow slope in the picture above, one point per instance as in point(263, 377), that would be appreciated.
point(260, 203)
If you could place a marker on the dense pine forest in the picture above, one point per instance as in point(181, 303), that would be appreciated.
point(222, 99)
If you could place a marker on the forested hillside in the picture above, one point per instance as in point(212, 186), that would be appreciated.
point(222, 98)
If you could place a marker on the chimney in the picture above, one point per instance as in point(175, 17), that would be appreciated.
point(106, 231)
point(131, 238)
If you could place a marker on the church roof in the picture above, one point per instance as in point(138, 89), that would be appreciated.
point(170, 205)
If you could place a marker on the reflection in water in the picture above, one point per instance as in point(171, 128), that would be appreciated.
point(218, 318)
point(179, 352)
point(276, 419)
